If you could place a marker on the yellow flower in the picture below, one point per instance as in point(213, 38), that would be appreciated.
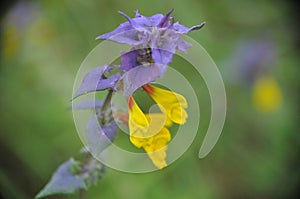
point(267, 94)
point(170, 102)
point(149, 131)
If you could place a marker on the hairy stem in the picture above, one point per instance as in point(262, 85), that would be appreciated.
point(105, 110)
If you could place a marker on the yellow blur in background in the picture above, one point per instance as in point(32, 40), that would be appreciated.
point(267, 95)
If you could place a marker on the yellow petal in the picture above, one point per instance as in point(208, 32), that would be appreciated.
point(177, 114)
point(158, 158)
point(138, 123)
point(170, 102)
point(157, 146)
point(157, 123)
point(135, 113)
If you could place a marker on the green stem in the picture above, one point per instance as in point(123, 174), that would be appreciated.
point(104, 115)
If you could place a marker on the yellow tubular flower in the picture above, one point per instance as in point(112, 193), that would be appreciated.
point(149, 131)
point(173, 103)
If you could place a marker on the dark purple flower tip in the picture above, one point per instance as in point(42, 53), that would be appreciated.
point(95, 81)
point(197, 27)
point(139, 76)
point(99, 138)
point(181, 29)
point(165, 20)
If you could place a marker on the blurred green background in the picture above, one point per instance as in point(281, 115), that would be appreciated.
point(255, 45)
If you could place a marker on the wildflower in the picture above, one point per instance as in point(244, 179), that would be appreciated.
point(153, 42)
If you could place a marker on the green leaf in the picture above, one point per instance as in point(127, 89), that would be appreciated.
point(64, 180)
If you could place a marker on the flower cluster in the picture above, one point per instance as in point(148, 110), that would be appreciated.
point(153, 40)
